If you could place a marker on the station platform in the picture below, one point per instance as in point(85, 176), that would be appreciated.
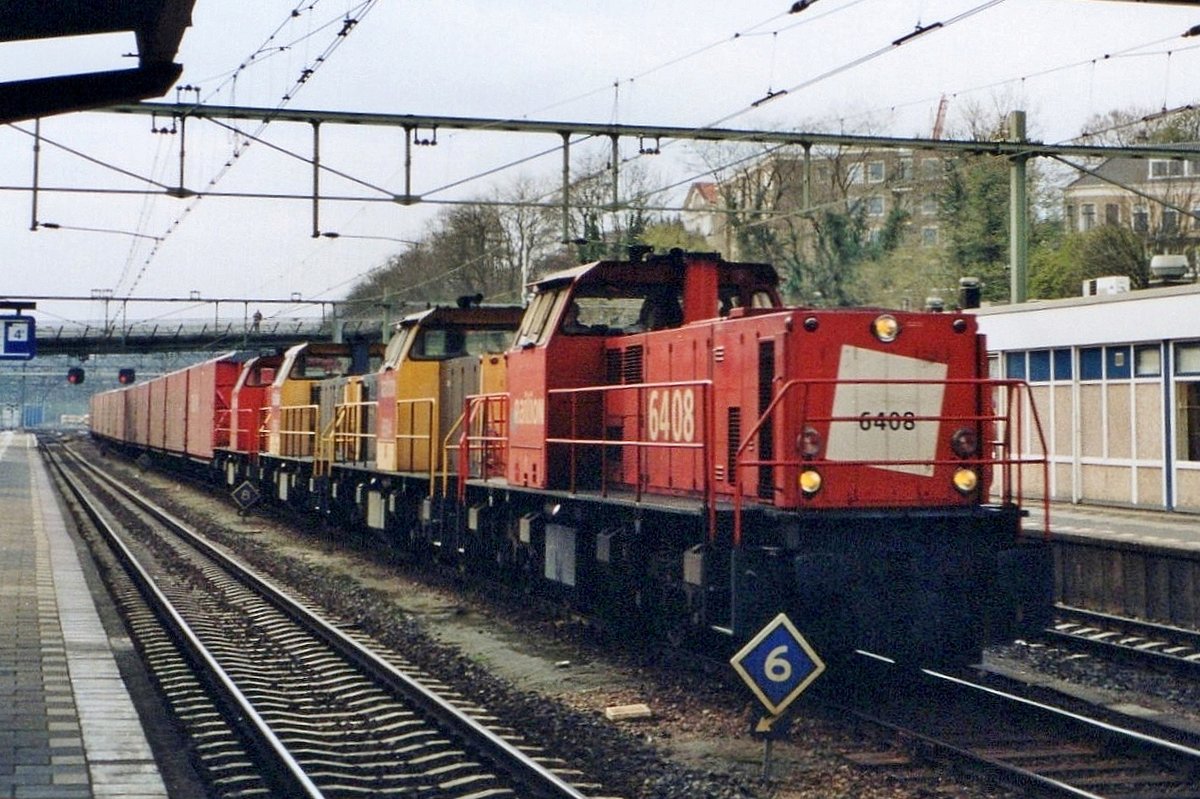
point(68, 726)
point(1152, 528)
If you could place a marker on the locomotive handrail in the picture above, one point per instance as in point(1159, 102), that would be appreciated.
point(640, 444)
point(413, 403)
point(323, 451)
point(264, 429)
point(446, 449)
point(482, 443)
point(336, 434)
point(303, 439)
point(1007, 465)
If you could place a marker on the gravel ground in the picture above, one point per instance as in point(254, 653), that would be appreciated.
point(551, 677)
point(1111, 683)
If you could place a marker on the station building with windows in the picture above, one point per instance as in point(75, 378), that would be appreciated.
point(1116, 382)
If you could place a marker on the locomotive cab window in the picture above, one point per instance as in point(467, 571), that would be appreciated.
point(534, 325)
point(319, 367)
point(614, 309)
point(733, 297)
point(396, 346)
point(262, 377)
point(444, 343)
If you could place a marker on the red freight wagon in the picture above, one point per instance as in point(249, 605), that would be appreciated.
point(176, 418)
point(107, 414)
point(209, 388)
point(157, 422)
point(137, 409)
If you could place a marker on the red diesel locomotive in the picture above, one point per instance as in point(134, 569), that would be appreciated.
point(665, 442)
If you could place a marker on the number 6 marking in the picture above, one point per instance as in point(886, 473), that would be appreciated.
point(776, 667)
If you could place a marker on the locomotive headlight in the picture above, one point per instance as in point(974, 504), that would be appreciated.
point(809, 442)
point(964, 442)
point(809, 481)
point(965, 480)
point(885, 328)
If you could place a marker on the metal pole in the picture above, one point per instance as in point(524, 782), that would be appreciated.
point(806, 193)
point(37, 159)
point(182, 151)
point(566, 188)
point(1018, 237)
point(316, 180)
point(408, 135)
point(616, 173)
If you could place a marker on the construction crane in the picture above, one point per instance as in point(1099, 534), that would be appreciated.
point(939, 121)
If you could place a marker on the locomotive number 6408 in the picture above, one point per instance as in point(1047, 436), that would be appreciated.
point(671, 414)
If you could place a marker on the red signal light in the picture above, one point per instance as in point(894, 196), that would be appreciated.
point(75, 375)
point(126, 376)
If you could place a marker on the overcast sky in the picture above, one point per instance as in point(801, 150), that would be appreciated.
point(666, 62)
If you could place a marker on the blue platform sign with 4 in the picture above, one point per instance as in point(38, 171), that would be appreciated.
point(18, 342)
point(778, 665)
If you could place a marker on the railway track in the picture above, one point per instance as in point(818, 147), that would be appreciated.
point(1129, 640)
point(1030, 745)
point(279, 701)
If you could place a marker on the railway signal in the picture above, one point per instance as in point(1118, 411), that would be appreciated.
point(126, 376)
point(75, 375)
point(777, 664)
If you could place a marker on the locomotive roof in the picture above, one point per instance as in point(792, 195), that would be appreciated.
point(476, 315)
point(665, 269)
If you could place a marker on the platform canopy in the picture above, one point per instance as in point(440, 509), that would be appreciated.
point(158, 26)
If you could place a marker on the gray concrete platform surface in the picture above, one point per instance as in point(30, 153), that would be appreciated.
point(68, 728)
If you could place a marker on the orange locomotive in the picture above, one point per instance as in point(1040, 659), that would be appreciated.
point(665, 442)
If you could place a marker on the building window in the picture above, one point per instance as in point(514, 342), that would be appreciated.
point(929, 205)
point(1187, 359)
point(1087, 216)
point(929, 237)
point(1071, 220)
point(1170, 220)
point(931, 169)
point(1062, 365)
point(875, 206)
point(1147, 360)
point(1187, 419)
point(1014, 365)
point(1116, 363)
point(1112, 214)
point(1162, 168)
point(875, 172)
point(1187, 400)
point(854, 174)
point(1141, 219)
point(1091, 363)
point(1039, 366)
point(904, 169)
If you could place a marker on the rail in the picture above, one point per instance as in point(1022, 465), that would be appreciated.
point(1005, 456)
